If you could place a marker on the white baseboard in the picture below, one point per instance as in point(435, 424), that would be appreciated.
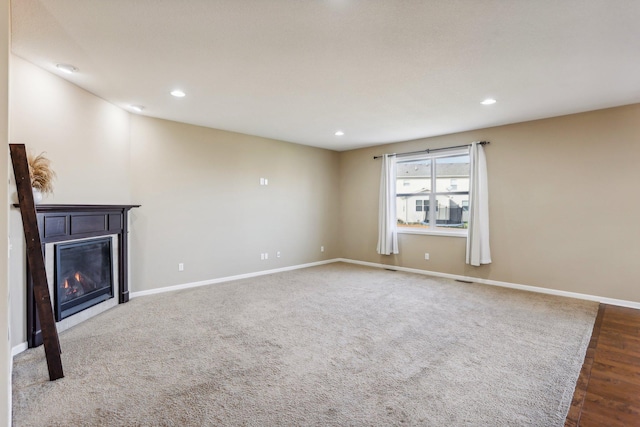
point(604, 300)
point(19, 349)
point(228, 278)
point(23, 346)
point(623, 303)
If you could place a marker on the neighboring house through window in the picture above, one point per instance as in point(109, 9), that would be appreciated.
point(439, 180)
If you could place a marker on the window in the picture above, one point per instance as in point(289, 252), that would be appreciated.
point(437, 199)
point(422, 205)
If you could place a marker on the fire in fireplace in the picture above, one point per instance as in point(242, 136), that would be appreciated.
point(83, 275)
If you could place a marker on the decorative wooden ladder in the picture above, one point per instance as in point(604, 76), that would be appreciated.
point(35, 261)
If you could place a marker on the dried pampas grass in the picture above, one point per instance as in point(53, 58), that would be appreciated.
point(40, 172)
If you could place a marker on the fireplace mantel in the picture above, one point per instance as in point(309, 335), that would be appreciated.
point(59, 223)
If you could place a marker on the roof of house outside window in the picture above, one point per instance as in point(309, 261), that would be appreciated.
point(414, 170)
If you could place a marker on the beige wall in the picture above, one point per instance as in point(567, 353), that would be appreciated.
point(202, 204)
point(5, 348)
point(87, 140)
point(563, 205)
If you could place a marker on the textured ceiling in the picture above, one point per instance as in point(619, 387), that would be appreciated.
point(380, 70)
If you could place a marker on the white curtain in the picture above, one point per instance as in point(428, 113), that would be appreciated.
point(387, 233)
point(478, 251)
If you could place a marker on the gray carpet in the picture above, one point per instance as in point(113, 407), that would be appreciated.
point(335, 345)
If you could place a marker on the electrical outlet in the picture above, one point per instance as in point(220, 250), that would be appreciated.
point(426, 256)
point(321, 248)
point(181, 266)
point(266, 181)
point(262, 257)
point(278, 254)
point(266, 256)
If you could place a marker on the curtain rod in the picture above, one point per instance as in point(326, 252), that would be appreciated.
point(432, 149)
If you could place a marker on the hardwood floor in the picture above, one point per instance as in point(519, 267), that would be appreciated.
point(608, 389)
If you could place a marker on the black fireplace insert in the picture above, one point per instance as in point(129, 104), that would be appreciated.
point(83, 275)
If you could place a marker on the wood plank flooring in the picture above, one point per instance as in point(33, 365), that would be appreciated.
point(608, 389)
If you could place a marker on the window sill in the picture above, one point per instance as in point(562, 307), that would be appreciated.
point(447, 233)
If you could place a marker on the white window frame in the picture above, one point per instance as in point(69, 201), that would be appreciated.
point(432, 195)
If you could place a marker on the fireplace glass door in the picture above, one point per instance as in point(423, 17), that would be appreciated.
point(83, 275)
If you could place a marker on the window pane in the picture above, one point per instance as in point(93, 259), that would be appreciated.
point(413, 176)
point(420, 199)
point(452, 212)
point(452, 173)
point(412, 211)
point(413, 185)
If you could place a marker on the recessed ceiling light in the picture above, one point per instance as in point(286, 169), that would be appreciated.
point(178, 93)
point(137, 108)
point(339, 133)
point(67, 68)
point(488, 101)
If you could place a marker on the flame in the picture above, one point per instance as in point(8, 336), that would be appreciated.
point(66, 284)
point(77, 276)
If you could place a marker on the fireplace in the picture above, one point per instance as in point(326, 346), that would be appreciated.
point(83, 275)
point(84, 246)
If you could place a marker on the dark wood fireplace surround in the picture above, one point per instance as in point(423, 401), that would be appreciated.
point(59, 223)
